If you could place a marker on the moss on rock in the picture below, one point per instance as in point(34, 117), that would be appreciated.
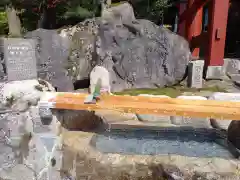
point(170, 91)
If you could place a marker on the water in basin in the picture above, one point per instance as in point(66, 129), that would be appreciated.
point(186, 142)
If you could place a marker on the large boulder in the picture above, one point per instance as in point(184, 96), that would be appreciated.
point(142, 55)
point(137, 53)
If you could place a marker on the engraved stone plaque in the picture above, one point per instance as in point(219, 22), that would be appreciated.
point(20, 59)
point(195, 74)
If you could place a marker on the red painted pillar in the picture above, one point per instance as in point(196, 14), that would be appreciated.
point(194, 26)
point(182, 6)
point(218, 15)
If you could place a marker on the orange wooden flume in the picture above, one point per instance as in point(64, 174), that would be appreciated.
point(222, 110)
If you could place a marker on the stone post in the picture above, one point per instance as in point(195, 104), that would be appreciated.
point(195, 74)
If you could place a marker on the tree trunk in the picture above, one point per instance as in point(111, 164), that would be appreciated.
point(48, 18)
point(109, 2)
point(105, 5)
point(14, 23)
point(102, 7)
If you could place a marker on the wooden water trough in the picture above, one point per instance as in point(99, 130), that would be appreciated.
point(222, 110)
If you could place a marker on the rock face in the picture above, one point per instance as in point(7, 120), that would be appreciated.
point(137, 53)
point(81, 39)
point(52, 55)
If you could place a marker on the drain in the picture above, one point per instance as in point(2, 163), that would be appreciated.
point(53, 162)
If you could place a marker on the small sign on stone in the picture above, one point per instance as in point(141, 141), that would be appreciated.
point(195, 74)
point(20, 59)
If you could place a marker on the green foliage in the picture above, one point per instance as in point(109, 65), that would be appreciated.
point(158, 7)
point(118, 3)
point(151, 9)
point(173, 91)
point(4, 3)
point(71, 12)
point(3, 23)
point(29, 20)
point(78, 12)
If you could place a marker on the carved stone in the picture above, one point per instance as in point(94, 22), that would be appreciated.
point(195, 74)
point(20, 59)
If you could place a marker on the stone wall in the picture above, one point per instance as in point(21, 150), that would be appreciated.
point(29, 149)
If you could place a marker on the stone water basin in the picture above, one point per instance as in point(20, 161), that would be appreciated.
point(184, 152)
point(180, 141)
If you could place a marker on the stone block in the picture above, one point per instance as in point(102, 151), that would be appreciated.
point(18, 151)
point(231, 66)
point(26, 145)
point(191, 121)
point(215, 72)
point(235, 79)
point(43, 124)
point(221, 124)
point(111, 116)
point(154, 118)
point(195, 74)
point(45, 115)
point(20, 59)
